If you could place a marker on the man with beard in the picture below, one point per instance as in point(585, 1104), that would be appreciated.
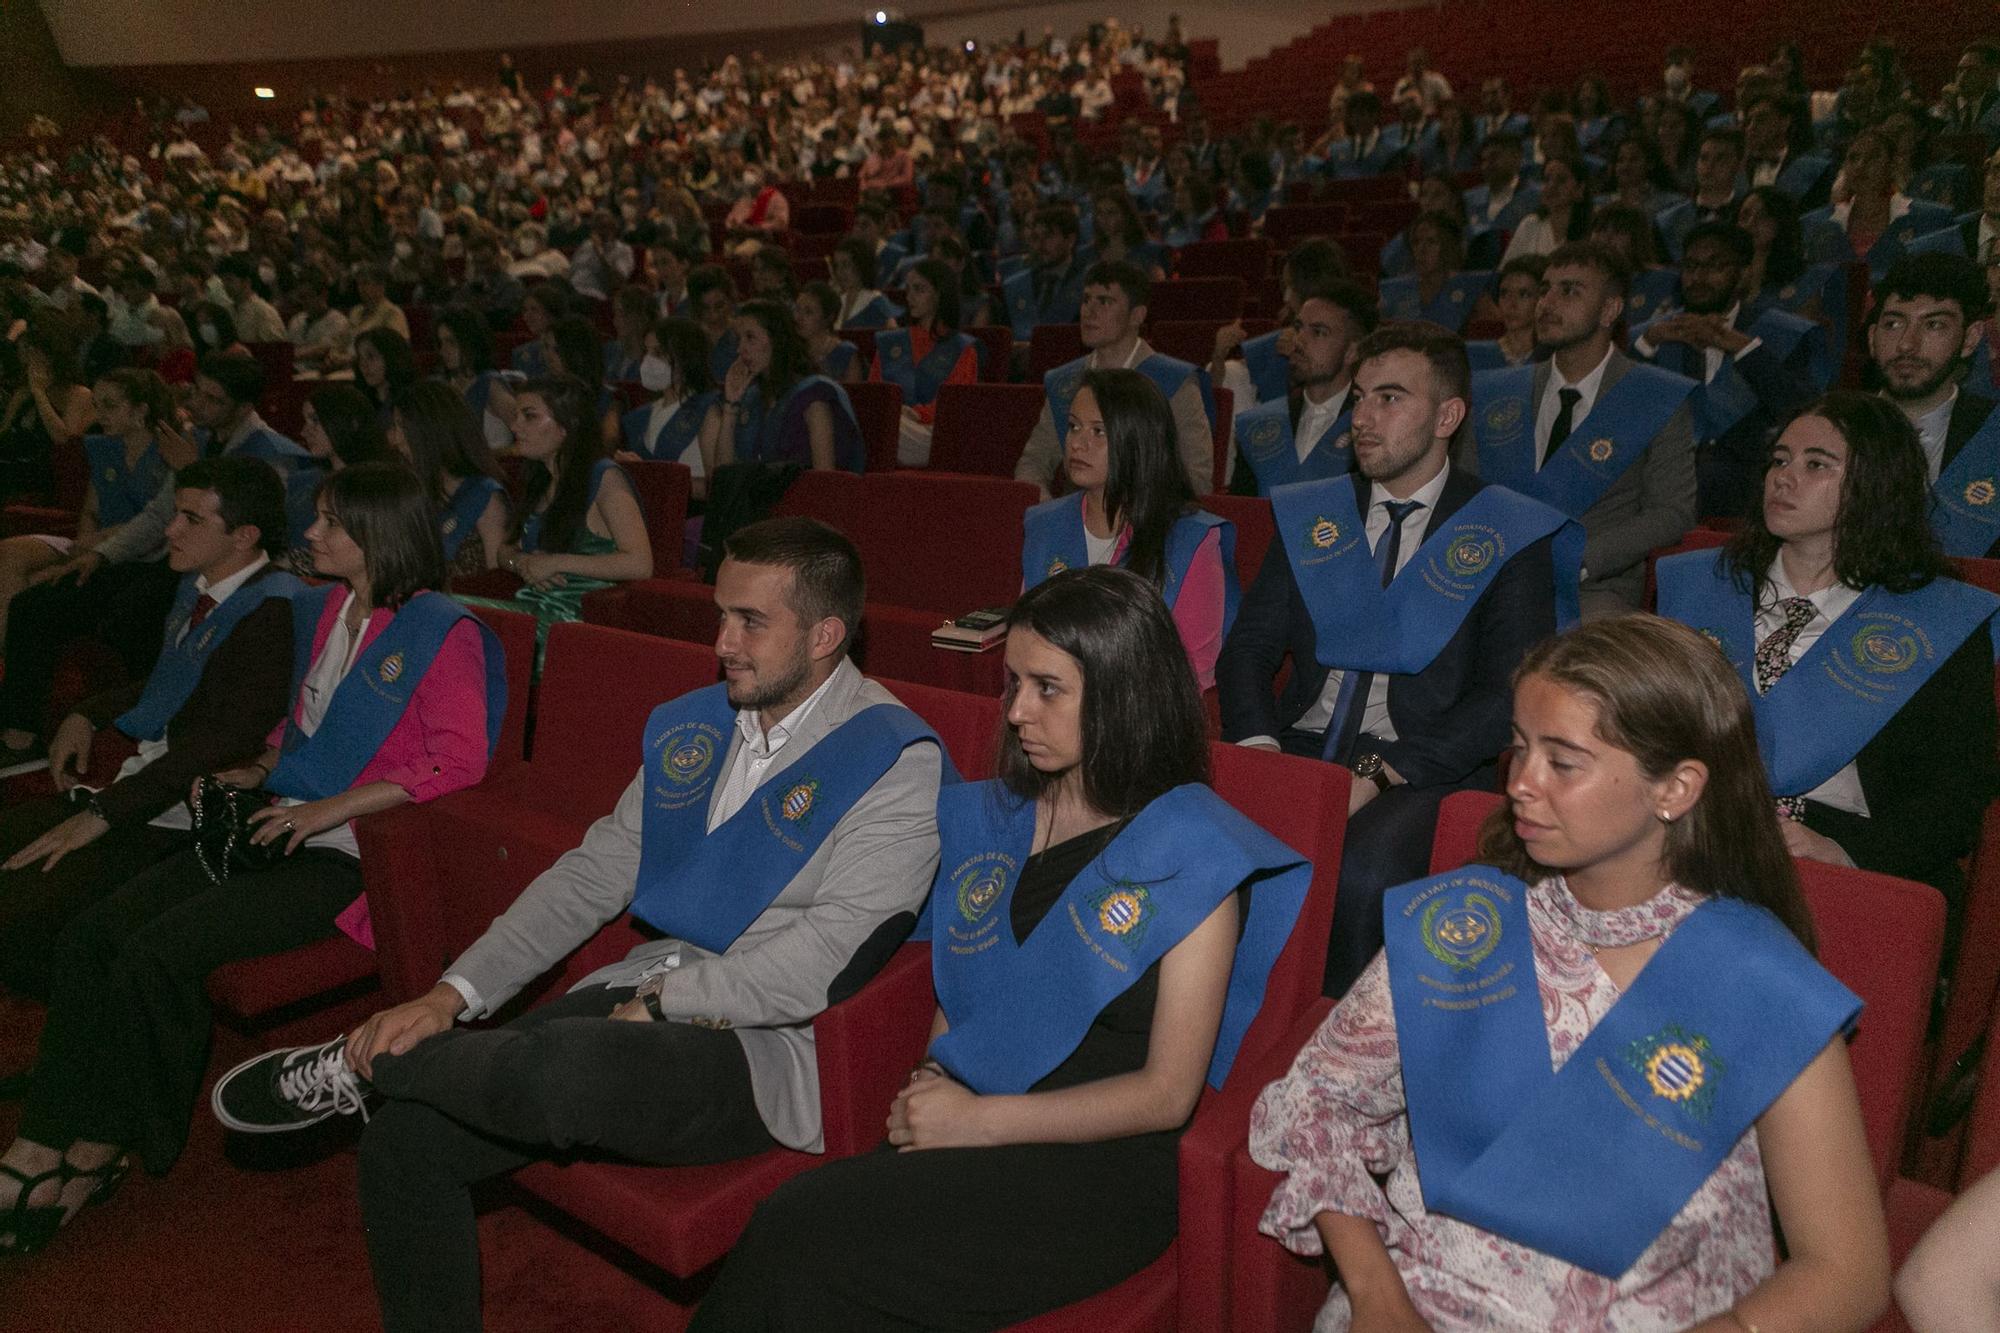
point(1755, 375)
point(1304, 435)
point(779, 838)
point(1928, 312)
point(1603, 439)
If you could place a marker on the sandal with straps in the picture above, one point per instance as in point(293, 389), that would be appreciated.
point(109, 1177)
point(32, 1226)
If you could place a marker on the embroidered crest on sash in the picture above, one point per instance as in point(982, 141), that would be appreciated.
point(1638, 301)
point(392, 667)
point(1123, 911)
point(980, 882)
point(1679, 1067)
point(895, 351)
point(1463, 931)
point(1600, 451)
point(1325, 532)
point(207, 637)
point(111, 474)
point(1263, 437)
point(1057, 565)
point(1458, 296)
point(1469, 554)
point(1980, 491)
point(798, 802)
point(449, 526)
point(687, 761)
point(1505, 416)
point(1878, 649)
point(1788, 293)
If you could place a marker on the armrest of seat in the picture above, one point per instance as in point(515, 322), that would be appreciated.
point(867, 1045)
point(400, 878)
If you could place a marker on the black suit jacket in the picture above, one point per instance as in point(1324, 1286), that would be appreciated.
point(1968, 414)
point(1927, 775)
point(1730, 468)
point(1452, 717)
point(244, 691)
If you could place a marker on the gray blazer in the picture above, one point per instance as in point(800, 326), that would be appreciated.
point(770, 984)
point(1651, 505)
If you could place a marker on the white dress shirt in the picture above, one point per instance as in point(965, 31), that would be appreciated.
point(1932, 427)
point(1711, 357)
point(656, 421)
point(1315, 419)
point(1842, 791)
point(1551, 404)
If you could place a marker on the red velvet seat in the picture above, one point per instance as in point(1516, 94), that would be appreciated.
point(1248, 259)
point(878, 408)
point(1254, 530)
point(1197, 298)
point(663, 489)
point(996, 352)
point(1193, 340)
point(1052, 345)
point(982, 428)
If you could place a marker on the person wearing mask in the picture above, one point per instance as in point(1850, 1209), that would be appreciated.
point(683, 421)
point(927, 353)
point(1306, 434)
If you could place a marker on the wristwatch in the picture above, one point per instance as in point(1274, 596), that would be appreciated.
point(1368, 765)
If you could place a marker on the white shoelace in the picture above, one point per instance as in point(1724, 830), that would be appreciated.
point(323, 1083)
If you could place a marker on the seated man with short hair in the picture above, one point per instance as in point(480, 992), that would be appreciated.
point(780, 837)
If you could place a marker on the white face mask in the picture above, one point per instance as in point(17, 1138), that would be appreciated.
point(207, 332)
point(527, 247)
point(656, 373)
point(404, 249)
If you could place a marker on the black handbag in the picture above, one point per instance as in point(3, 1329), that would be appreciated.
point(222, 829)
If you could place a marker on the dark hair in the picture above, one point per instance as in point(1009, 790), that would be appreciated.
point(1941, 277)
point(1727, 136)
point(1883, 535)
point(1733, 238)
point(791, 359)
point(826, 569)
point(473, 335)
point(1317, 259)
point(443, 436)
point(573, 405)
point(1786, 258)
point(1145, 483)
point(686, 350)
point(1506, 139)
point(553, 299)
point(950, 310)
point(1665, 695)
point(240, 376)
point(579, 348)
point(1577, 225)
point(143, 389)
point(1449, 229)
point(861, 257)
point(1123, 274)
point(352, 422)
point(247, 491)
point(1533, 266)
point(705, 278)
point(1444, 350)
point(1601, 258)
point(217, 315)
point(1143, 730)
point(774, 260)
point(1629, 222)
point(54, 335)
point(822, 294)
point(1057, 217)
point(387, 511)
point(1129, 228)
point(399, 363)
point(1347, 295)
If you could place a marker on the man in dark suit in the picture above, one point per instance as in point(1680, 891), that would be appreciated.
point(1977, 234)
point(1410, 738)
point(1331, 320)
point(1755, 375)
point(66, 850)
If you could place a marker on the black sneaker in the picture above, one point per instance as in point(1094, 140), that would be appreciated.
point(17, 759)
point(290, 1088)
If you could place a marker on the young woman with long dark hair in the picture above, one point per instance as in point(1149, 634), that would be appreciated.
point(438, 434)
point(776, 407)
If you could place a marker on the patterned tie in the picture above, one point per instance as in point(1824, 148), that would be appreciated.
point(1774, 659)
point(1344, 727)
point(1565, 422)
point(202, 606)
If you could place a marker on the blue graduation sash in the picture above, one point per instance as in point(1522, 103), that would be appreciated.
point(1360, 625)
point(1827, 239)
point(1826, 284)
point(180, 664)
point(122, 490)
point(1721, 403)
point(835, 363)
point(1622, 422)
point(377, 688)
point(1868, 664)
point(1264, 434)
point(877, 314)
point(1053, 541)
point(460, 518)
point(1653, 289)
point(1167, 374)
point(707, 888)
point(274, 449)
point(722, 356)
point(1270, 372)
point(1591, 1162)
point(759, 427)
point(1451, 308)
point(1944, 241)
point(1963, 512)
point(919, 379)
point(680, 431)
point(1017, 1011)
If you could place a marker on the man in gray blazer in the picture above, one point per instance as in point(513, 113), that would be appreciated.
point(678, 1054)
point(1623, 462)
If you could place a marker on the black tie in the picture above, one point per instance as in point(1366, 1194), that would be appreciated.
point(1564, 421)
point(1344, 727)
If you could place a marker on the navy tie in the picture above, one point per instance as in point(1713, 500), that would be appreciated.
point(1564, 422)
point(1344, 727)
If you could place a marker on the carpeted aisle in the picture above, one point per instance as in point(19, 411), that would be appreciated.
point(216, 1248)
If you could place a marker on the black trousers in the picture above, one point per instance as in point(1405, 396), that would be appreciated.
point(948, 1238)
point(564, 1079)
point(125, 605)
point(35, 904)
point(126, 1037)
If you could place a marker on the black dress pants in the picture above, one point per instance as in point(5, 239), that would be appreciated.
point(562, 1080)
point(125, 605)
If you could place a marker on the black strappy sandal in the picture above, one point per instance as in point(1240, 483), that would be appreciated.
point(31, 1226)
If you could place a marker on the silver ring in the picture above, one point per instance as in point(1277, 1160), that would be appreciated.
point(291, 827)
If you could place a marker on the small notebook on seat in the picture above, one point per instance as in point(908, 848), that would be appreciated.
point(974, 632)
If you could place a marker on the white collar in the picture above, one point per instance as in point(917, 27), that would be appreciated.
point(1425, 495)
point(1831, 601)
point(764, 743)
point(1588, 385)
point(222, 589)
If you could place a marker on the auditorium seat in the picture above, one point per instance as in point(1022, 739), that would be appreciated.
point(1219, 435)
point(663, 489)
point(1193, 340)
point(982, 428)
point(967, 724)
point(1248, 259)
point(1052, 345)
point(1197, 298)
point(1254, 529)
point(878, 408)
point(996, 352)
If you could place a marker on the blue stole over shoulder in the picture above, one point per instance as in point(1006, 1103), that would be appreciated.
point(1865, 667)
point(760, 428)
point(1452, 306)
point(182, 661)
point(706, 887)
point(1591, 1162)
point(1360, 625)
point(1017, 1011)
point(1053, 541)
point(122, 490)
point(1719, 404)
point(460, 518)
point(682, 429)
point(1166, 373)
point(377, 688)
point(1622, 422)
point(1270, 372)
point(1653, 289)
point(1264, 434)
point(919, 379)
point(1963, 497)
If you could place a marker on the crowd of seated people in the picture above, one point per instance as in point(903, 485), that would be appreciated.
point(485, 314)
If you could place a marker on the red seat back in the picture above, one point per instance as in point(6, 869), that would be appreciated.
point(939, 541)
point(598, 688)
point(982, 428)
point(1197, 298)
point(662, 488)
point(1254, 529)
point(1248, 259)
point(516, 633)
point(830, 497)
point(878, 407)
point(996, 352)
point(1193, 340)
point(968, 724)
point(1052, 345)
